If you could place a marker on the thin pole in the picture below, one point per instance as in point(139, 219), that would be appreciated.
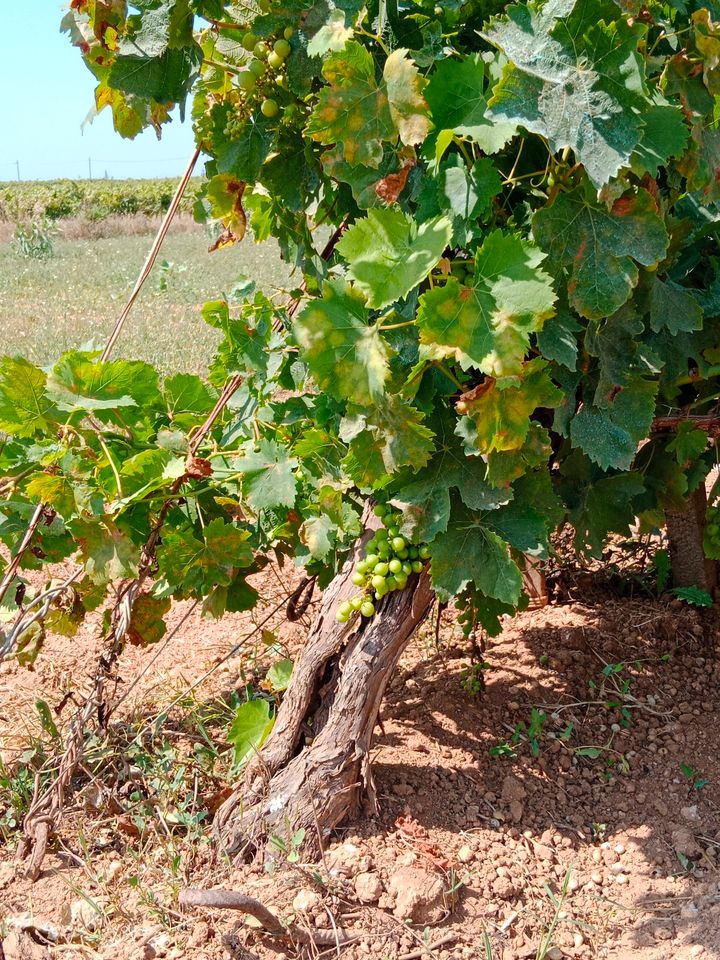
point(17, 164)
point(90, 168)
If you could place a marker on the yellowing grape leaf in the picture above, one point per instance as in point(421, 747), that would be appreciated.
point(487, 323)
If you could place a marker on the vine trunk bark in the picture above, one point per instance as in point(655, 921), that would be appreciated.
point(314, 769)
point(690, 566)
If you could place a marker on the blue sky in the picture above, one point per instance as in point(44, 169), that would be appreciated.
point(46, 92)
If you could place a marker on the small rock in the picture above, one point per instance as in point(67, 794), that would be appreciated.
point(19, 946)
point(683, 841)
point(596, 877)
point(368, 887)
point(578, 940)
point(347, 861)
point(689, 911)
point(306, 900)
point(84, 914)
point(403, 790)
point(466, 854)
point(200, 934)
point(554, 953)
point(513, 789)
point(7, 874)
point(621, 878)
point(690, 813)
point(618, 867)
point(418, 895)
point(544, 853)
point(516, 810)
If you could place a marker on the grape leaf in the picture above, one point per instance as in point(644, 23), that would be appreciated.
point(146, 619)
point(347, 358)
point(598, 504)
point(24, 407)
point(191, 564)
point(487, 323)
point(279, 674)
point(469, 551)
point(458, 103)
point(268, 479)
point(388, 254)
point(66, 494)
point(557, 340)
point(79, 383)
point(315, 534)
point(689, 442)
point(665, 135)
point(331, 37)
point(609, 431)
point(383, 440)
point(358, 113)
point(575, 77)
point(251, 725)
point(500, 409)
point(598, 246)
point(106, 552)
point(425, 498)
point(188, 399)
point(674, 308)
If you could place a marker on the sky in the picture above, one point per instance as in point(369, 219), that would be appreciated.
point(46, 92)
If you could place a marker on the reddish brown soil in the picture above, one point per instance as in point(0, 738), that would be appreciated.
point(602, 808)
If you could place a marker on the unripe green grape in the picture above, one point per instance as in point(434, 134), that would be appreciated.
point(358, 578)
point(391, 583)
point(269, 108)
point(370, 560)
point(403, 554)
point(381, 534)
point(395, 565)
point(249, 41)
point(407, 568)
point(282, 48)
point(378, 582)
point(342, 617)
point(345, 607)
point(288, 32)
point(275, 60)
point(413, 553)
point(367, 609)
point(362, 567)
point(424, 552)
point(381, 569)
point(246, 81)
point(257, 68)
point(417, 566)
point(357, 601)
point(380, 510)
point(261, 50)
point(383, 549)
point(379, 594)
point(401, 581)
point(398, 544)
point(393, 532)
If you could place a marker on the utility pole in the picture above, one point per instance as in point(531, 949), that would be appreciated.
point(17, 164)
point(90, 168)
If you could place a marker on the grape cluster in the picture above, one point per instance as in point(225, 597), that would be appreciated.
point(389, 560)
point(711, 536)
point(265, 71)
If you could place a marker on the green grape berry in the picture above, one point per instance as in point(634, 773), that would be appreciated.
point(391, 583)
point(261, 50)
point(378, 582)
point(395, 565)
point(381, 534)
point(370, 560)
point(403, 554)
point(424, 552)
point(264, 5)
point(358, 578)
point(257, 68)
point(249, 41)
point(398, 544)
point(288, 32)
point(413, 553)
point(381, 568)
point(357, 601)
point(345, 607)
point(246, 81)
point(407, 568)
point(393, 532)
point(269, 108)
point(342, 617)
point(417, 566)
point(383, 549)
point(282, 48)
point(367, 609)
point(275, 60)
point(401, 581)
point(380, 510)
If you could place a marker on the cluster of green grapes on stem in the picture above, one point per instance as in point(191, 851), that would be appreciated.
point(263, 72)
point(711, 534)
point(388, 562)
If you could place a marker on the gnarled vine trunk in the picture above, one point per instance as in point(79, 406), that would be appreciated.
point(690, 566)
point(314, 768)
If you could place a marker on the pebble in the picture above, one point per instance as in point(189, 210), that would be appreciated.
point(621, 878)
point(618, 867)
point(596, 877)
point(466, 854)
point(305, 900)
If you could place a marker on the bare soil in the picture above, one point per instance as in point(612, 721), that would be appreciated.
point(568, 803)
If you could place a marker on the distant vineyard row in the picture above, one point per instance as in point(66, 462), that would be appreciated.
point(92, 199)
